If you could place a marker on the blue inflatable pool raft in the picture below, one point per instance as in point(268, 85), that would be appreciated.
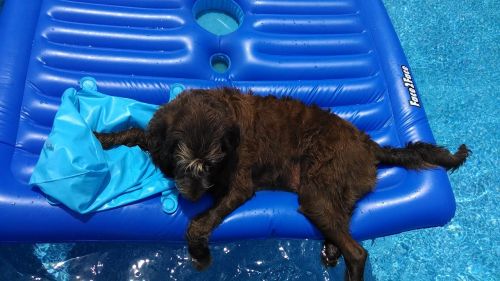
point(343, 55)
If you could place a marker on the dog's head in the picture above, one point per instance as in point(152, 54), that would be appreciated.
point(191, 140)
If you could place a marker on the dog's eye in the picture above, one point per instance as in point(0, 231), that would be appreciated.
point(206, 169)
point(174, 145)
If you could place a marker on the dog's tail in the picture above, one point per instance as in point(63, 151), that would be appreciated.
point(130, 137)
point(420, 155)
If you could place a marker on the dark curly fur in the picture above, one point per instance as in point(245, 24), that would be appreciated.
point(231, 145)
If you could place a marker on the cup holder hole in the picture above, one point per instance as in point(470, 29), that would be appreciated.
point(220, 63)
point(219, 17)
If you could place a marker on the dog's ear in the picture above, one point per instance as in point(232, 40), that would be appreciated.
point(161, 144)
point(231, 138)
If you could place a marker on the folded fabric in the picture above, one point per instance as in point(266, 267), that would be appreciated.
point(73, 169)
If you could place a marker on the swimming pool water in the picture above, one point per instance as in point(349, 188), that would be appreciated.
point(454, 53)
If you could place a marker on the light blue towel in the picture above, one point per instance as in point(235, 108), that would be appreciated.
point(74, 170)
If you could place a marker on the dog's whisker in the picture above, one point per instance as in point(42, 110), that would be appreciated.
point(180, 188)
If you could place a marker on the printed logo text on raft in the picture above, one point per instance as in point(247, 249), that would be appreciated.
point(408, 82)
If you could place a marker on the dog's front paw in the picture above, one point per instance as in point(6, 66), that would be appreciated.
point(201, 263)
point(197, 239)
point(103, 138)
point(330, 255)
point(200, 257)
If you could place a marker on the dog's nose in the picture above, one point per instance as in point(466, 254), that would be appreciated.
point(191, 196)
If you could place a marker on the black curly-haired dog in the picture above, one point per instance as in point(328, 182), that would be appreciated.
point(231, 144)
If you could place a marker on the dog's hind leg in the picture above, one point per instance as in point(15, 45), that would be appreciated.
point(330, 253)
point(333, 222)
point(130, 137)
